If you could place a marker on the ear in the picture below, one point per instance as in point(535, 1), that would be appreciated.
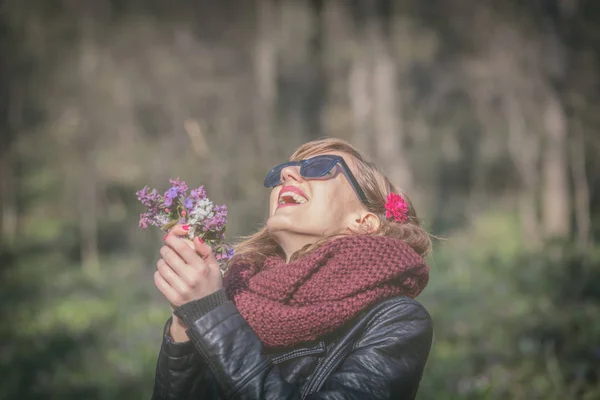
point(364, 223)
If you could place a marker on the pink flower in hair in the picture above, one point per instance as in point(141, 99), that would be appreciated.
point(396, 207)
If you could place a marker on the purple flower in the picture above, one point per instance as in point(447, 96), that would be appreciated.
point(221, 214)
point(179, 185)
point(142, 196)
point(198, 194)
point(221, 211)
point(195, 209)
point(218, 220)
point(148, 199)
point(151, 218)
point(172, 193)
point(224, 252)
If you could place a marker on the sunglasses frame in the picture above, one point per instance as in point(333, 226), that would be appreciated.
point(334, 160)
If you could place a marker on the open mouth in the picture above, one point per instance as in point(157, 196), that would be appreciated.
point(290, 196)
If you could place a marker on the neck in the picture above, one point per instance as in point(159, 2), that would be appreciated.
point(291, 243)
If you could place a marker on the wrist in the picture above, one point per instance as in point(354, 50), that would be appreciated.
point(191, 311)
point(178, 330)
point(179, 322)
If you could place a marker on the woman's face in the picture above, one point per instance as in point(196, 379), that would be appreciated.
point(303, 211)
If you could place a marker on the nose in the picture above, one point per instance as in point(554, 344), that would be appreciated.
point(291, 173)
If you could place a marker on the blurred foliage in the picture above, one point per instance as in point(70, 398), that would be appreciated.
point(512, 323)
point(486, 112)
point(66, 335)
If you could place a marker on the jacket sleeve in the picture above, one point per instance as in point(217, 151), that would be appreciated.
point(385, 363)
point(180, 372)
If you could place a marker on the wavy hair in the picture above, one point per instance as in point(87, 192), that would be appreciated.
point(376, 186)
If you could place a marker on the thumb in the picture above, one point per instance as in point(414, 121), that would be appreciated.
point(206, 253)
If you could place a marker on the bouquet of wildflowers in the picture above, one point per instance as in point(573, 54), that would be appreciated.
point(205, 219)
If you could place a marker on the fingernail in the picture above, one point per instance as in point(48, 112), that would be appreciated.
point(185, 227)
point(200, 240)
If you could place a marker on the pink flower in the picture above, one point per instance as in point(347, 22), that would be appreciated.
point(396, 208)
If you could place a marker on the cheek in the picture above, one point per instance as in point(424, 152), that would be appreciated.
point(334, 202)
point(272, 202)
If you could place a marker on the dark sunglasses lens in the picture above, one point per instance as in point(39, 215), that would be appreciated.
point(317, 167)
point(273, 177)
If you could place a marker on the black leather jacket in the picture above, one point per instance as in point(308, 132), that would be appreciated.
point(379, 355)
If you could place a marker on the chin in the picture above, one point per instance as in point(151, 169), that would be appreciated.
point(278, 222)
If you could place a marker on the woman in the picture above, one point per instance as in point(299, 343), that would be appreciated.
point(318, 304)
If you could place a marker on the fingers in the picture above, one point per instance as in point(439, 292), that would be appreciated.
point(206, 253)
point(177, 282)
point(186, 273)
point(163, 286)
point(181, 282)
point(183, 288)
point(179, 266)
point(184, 248)
point(189, 243)
point(178, 230)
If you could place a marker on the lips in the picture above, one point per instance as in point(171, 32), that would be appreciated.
point(291, 196)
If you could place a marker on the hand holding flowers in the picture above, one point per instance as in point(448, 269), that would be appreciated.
point(186, 274)
point(193, 258)
point(204, 219)
point(186, 271)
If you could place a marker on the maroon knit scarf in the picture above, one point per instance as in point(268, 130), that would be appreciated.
point(290, 303)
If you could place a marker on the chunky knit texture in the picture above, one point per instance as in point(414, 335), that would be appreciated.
point(291, 303)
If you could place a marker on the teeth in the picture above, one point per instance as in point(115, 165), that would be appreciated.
point(296, 197)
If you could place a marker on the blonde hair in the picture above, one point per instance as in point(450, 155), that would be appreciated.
point(376, 187)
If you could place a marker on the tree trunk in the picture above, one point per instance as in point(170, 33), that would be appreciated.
point(387, 109)
point(88, 222)
point(84, 158)
point(359, 92)
point(301, 69)
point(581, 189)
point(317, 95)
point(555, 191)
point(9, 213)
point(8, 203)
point(265, 67)
point(524, 149)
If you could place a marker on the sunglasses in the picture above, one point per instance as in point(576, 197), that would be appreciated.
point(316, 167)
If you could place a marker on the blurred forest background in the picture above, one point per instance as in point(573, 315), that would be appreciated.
point(486, 112)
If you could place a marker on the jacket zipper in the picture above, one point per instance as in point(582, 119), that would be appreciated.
point(306, 390)
point(318, 378)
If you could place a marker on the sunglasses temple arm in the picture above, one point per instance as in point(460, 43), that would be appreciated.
point(354, 183)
